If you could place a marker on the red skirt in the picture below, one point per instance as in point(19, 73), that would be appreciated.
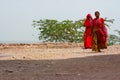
point(87, 39)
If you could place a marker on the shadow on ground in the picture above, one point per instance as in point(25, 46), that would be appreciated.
point(105, 67)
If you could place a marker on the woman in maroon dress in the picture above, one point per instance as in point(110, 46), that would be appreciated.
point(88, 28)
point(99, 33)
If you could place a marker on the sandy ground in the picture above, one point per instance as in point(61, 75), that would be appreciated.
point(64, 62)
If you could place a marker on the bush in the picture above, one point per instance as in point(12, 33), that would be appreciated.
point(67, 31)
point(56, 31)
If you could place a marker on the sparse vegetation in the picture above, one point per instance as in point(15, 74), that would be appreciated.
point(68, 31)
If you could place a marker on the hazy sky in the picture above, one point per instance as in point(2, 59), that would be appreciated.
point(16, 16)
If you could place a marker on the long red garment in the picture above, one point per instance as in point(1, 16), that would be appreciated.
point(88, 28)
point(101, 33)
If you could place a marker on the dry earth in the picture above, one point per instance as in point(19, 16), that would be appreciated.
point(58, 61)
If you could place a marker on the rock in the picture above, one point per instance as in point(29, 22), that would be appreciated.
point(9, 71)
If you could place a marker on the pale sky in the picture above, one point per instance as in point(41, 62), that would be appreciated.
point(16, 16)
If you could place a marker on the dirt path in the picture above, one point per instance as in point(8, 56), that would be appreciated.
point(59, 64)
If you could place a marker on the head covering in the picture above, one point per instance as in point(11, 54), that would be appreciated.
point(89, 16)
point(88, 22)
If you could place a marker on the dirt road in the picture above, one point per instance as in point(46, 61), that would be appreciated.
point(72, 63)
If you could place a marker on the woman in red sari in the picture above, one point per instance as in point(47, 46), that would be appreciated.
point(88, 28)
point(99, 34)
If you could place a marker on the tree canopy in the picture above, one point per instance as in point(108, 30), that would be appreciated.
point(66, 31)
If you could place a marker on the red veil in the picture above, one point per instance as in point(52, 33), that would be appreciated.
point(88, 23)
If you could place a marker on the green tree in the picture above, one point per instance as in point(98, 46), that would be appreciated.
point(118, 32)
point(108, 21)
point(56, 31)
point(112, 39)
point(62, 31)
